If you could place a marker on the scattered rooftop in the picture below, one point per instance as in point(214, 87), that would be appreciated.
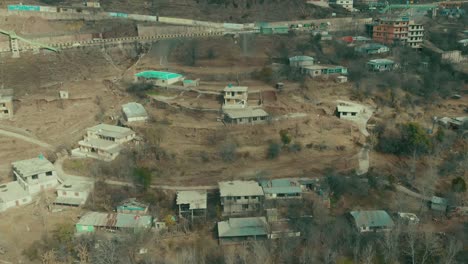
point(12, 191)
point(381, 61)
point(238, 227)
point(374, 218)
point(348, 108)
point(196, 199)
point(245, 112)
point(133, 110)
point(132, 204)
point(101, 144)
point(33, 166)
point(158, 75)
point(286, 186)
point(116, 220)
point(111, 131)
point(301, 58)
point(240, 188)
point(231, 88)
point(75, 186)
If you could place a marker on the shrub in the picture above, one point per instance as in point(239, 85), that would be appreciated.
point(273, 150)
point(296, 147)
point(228, 151)
point(285, 136)
point(139, 89)
point(458, 185)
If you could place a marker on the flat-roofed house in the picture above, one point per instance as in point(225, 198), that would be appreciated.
point(73, 193)
point(373, 220)
point(134, 112)
point(159, 78)
point(236, 230)
point(92, 221)
point(12, 194)
point(111, 133)
point(192, 203)
point(103, 142)
point(281, 189)
point(380, 65)
point(35, 175)
point(6, 103)
point(238, 197)
point(345, 111)
point(247, 115)
point(301, 61)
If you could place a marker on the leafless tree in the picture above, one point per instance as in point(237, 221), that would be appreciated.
point(390, 243)
point(367, 255)
point(452, 248)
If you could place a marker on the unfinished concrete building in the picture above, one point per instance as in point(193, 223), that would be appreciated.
point(345, 111)
point(6, 103)
point(236, 109)
point(35, 175)
point(103, 142)
point(235, 97)
point(192, 203)
point(240, 197)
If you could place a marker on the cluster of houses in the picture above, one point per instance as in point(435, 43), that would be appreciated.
point(307, 66)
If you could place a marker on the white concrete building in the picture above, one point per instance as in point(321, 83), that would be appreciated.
point(12, 194)
point(344, 111)
point(111, 133)
point(134, 112)
point(239, 197)
point(73, 193)
point(35, 175)
point(346, 4)
point(103, 142)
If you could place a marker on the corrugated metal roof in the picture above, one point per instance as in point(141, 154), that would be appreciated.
point(116, 220)
point(245, 113)
point(381, 61)
point(301, 58)
point(158, 75)
point(132, 204)
point(241, 227)
point(240, 188)
point(374, 218)
point(286, 186)
point(231, 88)
point(133, 109)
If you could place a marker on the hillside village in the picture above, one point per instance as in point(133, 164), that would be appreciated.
point(302, 132)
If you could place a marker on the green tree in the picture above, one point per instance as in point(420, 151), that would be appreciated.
point(285, 136)
point(273, 150)
point(142, 177)
point(415, 139)
point(459, 185)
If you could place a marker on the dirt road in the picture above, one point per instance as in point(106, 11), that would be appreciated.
point(25, 138)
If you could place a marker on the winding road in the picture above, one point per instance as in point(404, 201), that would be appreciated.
point(25, 138)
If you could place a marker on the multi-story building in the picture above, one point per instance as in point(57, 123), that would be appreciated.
point(391, 30)
point(235, 97)
point(415, 35)
point(397, 31)
point(238, 197)
point(35, 175)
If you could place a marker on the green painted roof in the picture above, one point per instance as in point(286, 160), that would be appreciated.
point(301, 58)
point(380, 61)
point(158, 75)
point(375, 218)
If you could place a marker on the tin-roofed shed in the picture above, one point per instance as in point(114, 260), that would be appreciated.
point(301, 61)
point(236, 230)
point(134, 112)
point(281, 188)
point(133, 206)
point(373, 220)
point(159, 78)
point(381, 65)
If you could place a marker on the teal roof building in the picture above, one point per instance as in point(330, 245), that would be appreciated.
point(281, 188)
point(237, 230)
point(372, 220)
point(158, 75)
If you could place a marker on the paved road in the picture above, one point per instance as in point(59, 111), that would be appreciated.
point(25, 138)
